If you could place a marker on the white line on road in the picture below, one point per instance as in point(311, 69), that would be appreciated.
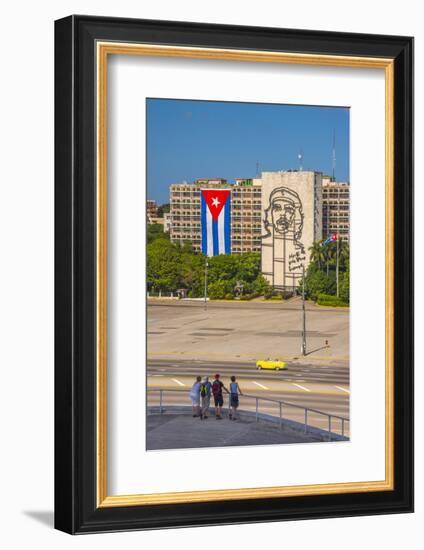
point(342, 389)
point(156, 375)
point(301, 387)
point(177, 382)
point(260, 385)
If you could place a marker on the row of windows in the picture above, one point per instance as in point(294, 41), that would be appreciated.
point(336, 197)
point(246, 201)
point(336, 215)
point(240, 196)
point(335, 227)
point(196, 219)
point(187, 225)
point(178, 237)
point(245, 234)
point(239, 250)
point(246, 225)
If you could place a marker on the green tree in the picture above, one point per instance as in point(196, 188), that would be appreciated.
point(317, 282)
point(344, 285)
point(317, 253)
point(163, 266)
point(344, 255)
point(163, 209)
point(192, 273)
point(155, 231)
point(261, 286)
point(217, 290)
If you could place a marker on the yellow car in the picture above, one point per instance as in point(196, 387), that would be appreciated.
point(271, 365)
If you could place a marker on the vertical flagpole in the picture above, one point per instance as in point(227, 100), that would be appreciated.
point(337, 265)
point(303, 313)
point(206, 284)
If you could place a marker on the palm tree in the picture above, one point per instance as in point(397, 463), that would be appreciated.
point(343, 252)
point(317, 253)
point(330, 254)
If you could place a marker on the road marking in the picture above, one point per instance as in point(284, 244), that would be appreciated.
point(342, 389)
point(177, 382)
point(253, 356)
point(260, 385)
point(156, 375)
point(301, 387)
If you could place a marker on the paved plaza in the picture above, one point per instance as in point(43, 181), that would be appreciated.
point(177, 431)
point(240, 330)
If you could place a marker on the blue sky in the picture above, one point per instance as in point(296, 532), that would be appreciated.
point(187, 140)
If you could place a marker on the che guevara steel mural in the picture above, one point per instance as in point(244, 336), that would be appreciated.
point(282, 242)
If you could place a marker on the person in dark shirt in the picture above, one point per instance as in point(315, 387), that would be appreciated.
point(217, 388)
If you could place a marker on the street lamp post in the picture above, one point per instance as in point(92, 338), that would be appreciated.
point(206, 284)
point(303, 313)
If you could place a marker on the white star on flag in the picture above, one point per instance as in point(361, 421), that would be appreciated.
point(215, 202)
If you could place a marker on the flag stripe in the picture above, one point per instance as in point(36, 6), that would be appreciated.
point(204, 234)
point(209, 222)
point(227, 215)
point(221, 229)
point(215, 238)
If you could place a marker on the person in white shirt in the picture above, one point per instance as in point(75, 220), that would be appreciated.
point(195, 397)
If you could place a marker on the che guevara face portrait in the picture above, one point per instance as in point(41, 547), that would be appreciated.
point(282, 214)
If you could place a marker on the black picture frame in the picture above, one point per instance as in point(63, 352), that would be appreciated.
point(76, 509)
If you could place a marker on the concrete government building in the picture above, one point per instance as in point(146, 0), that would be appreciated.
point(335, 208)
point(292, 221)
point(279, 214)
point(246, 213)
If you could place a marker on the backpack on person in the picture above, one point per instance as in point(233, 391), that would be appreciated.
point(203, 390)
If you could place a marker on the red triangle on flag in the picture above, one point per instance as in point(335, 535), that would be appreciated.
point(215, 199)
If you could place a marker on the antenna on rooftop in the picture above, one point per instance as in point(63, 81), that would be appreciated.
point(300, 158)
point(334, 155)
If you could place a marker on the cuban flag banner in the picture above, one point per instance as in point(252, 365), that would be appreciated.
point(331, 239)
point(216, 221)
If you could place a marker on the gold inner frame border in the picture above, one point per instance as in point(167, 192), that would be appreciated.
point(103, 50)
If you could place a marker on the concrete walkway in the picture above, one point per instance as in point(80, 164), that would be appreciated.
point(181, 431)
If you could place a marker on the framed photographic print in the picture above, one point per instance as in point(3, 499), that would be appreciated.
point(234, 327)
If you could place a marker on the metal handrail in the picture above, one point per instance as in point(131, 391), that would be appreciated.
point(280, 402)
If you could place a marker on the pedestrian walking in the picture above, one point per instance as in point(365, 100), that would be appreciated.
point(235, 391)
point(205, 395)
point(195, 396)
point(217, 387)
